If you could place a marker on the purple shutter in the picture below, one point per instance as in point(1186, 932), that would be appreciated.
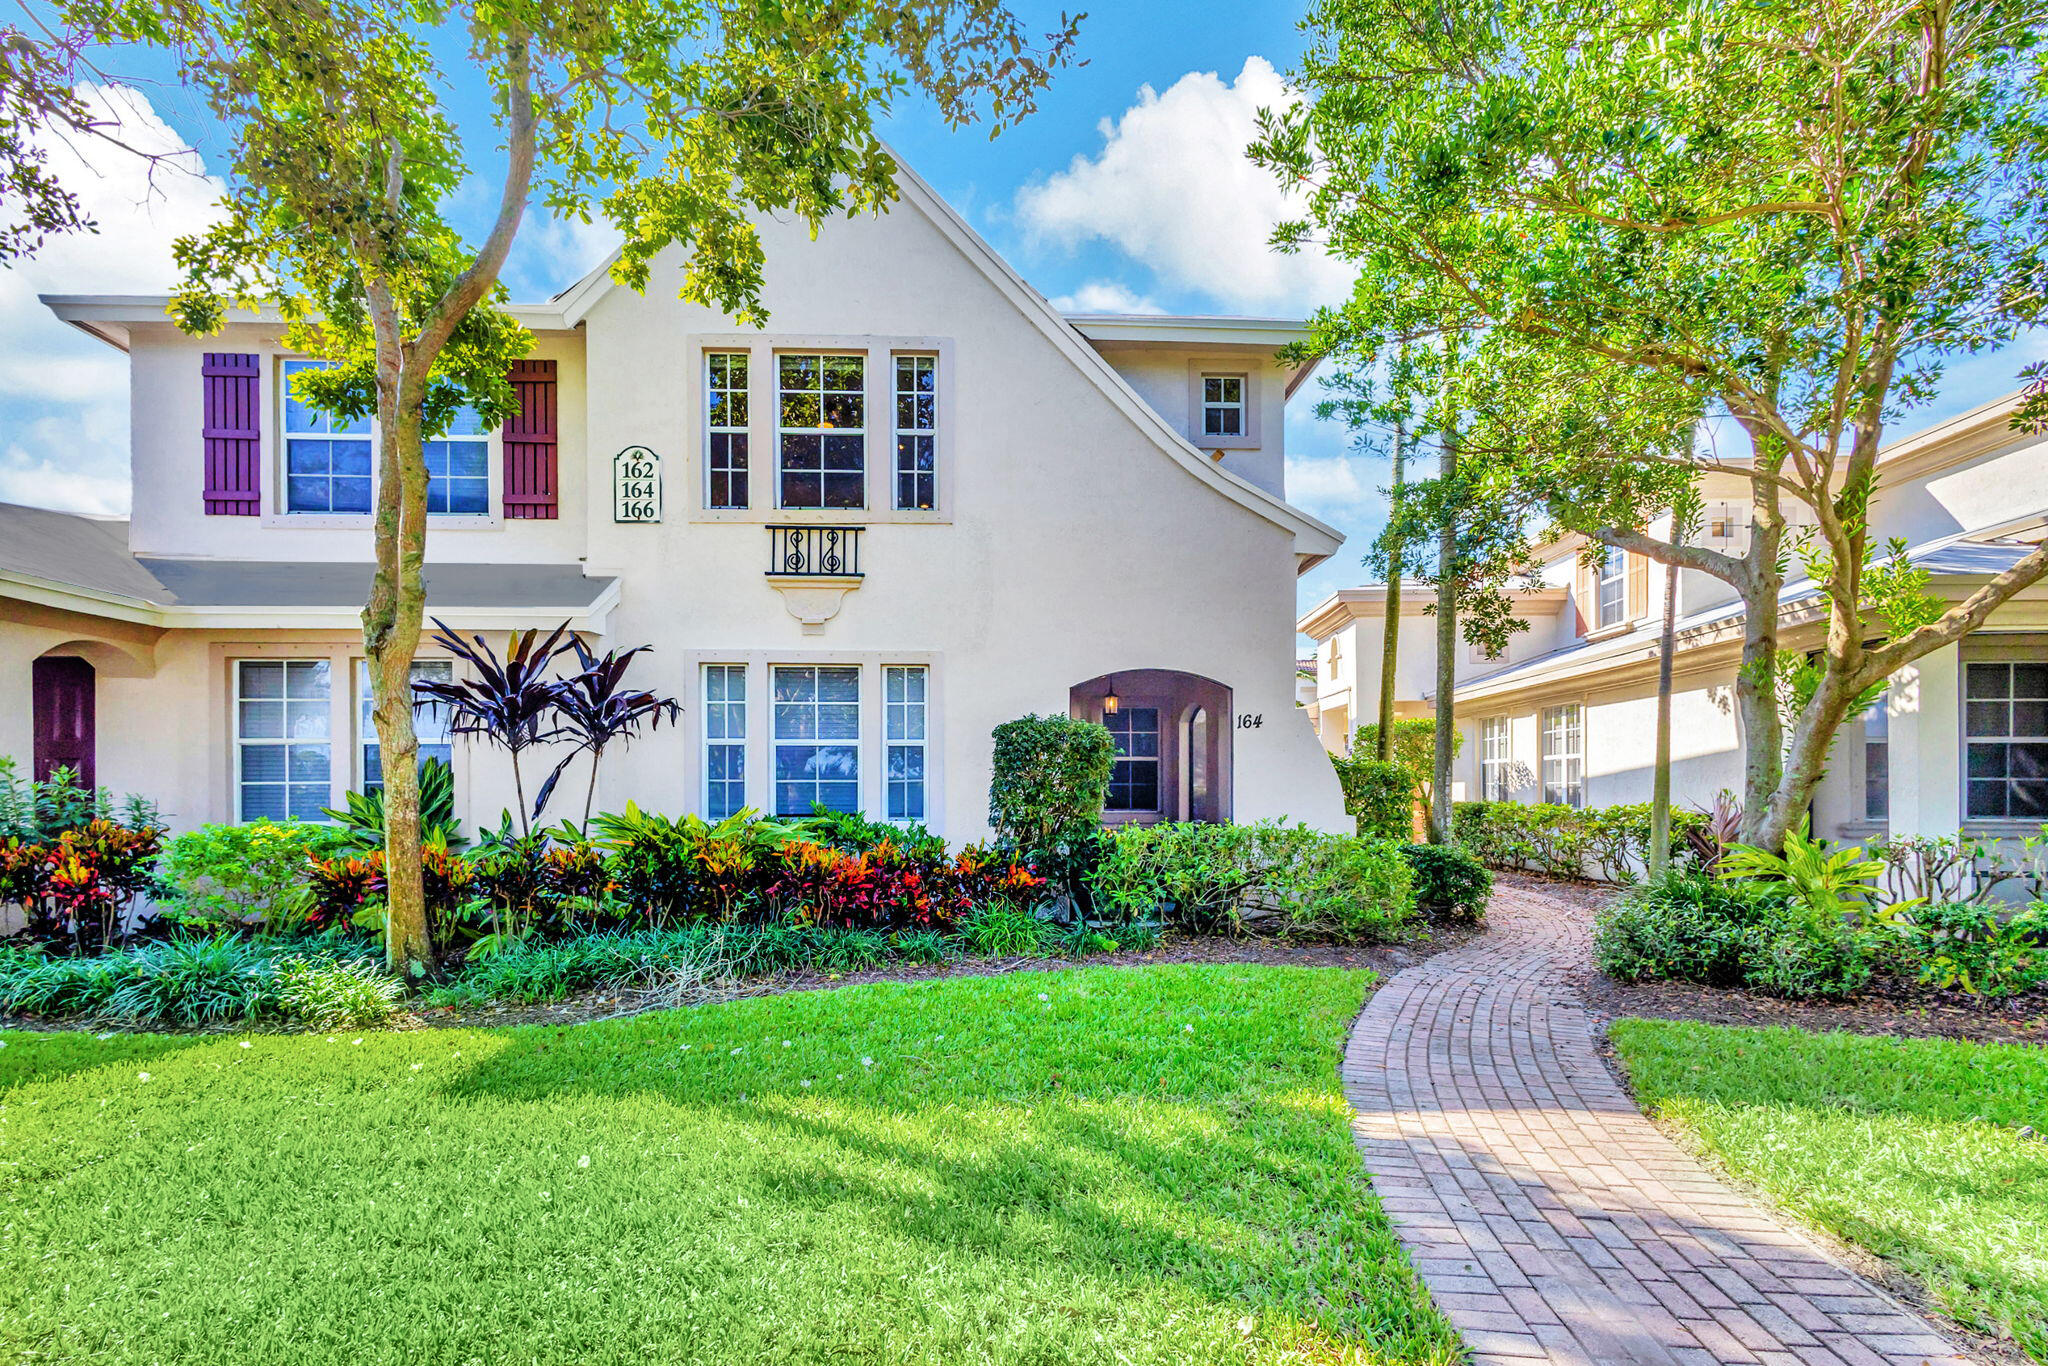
point(233, 434)
point(530, 470)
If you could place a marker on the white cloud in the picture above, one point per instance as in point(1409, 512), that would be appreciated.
point(553, 253)
point(1173, 189)
point(1105, 296)
point(63, 395)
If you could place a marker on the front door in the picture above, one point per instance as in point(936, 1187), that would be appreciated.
point(65, 720)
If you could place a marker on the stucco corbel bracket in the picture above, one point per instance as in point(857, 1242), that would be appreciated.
point(813, 599)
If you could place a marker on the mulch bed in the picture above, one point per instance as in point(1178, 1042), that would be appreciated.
point(1902, 1009)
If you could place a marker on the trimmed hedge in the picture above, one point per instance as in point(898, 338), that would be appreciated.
point(1380, 796)
point(1611, 843)
point(1049, 777)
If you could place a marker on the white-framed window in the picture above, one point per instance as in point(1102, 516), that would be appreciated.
point(917, 432)
point(1134, 777)
point(429, 723)
point(1223, 405)
point(1564, 754)
point(283, 739)
point(725, 448)
point(725, 740)
point(905, 708)
point(1611, 588)
point(1877, 766)
point(2005, 727)
point(1494, 757)
point(821, 429)
point(816, 737)
point(327, 461)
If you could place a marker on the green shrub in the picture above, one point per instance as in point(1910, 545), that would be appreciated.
point(922, 946)
point(1414, 748)
point(1003, 932)
point(1970, 946)
point(1048, 781)
point(1609, 842)
point(1449, 880)
point(35, 983)
point(193, 982)
point(228, 876)
point(336, 993)
point(1332, 886)
point(1793, 952)
point(1191, 875)
point(1379, 796)
point(1687, 926)
point(360, 817)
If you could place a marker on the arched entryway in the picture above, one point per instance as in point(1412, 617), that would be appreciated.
point(1172, 733)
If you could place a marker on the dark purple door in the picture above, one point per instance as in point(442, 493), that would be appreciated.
point(65, 722)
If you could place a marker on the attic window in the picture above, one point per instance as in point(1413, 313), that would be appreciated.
point(1223, 405)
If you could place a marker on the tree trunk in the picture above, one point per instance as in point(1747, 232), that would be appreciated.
point(1390, 635)
point(1446, 648)
point(1756, 680)
point(1660, 781)
point(392, 622)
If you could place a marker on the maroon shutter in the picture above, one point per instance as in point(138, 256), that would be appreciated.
point(65, 723)
point(233, 434)
point(530, 471)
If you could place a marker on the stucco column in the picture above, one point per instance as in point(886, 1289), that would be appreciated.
point(1924, 710)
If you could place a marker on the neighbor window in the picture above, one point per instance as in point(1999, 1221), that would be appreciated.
point(1612, 587)
point(429, 723)
point(917, 426)
point(283, 729)
point(817, 738)
point(1493, 758)
point(725, 740)
point(1223, 405)
point(1877, 768)
point(725, 401)
point(1564, 755)
point(904, 704)
point(2006, 724)
point(327, 460)
point(821, 430)
point(1134, 779)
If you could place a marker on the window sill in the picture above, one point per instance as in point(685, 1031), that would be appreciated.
point(322, 521)
point(1619, 629)
point(2005, 829)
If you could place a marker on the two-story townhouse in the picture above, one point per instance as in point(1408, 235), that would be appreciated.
point(919, 503)
point(1959, 742)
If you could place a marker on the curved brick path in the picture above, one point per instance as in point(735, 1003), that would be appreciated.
point(1550, 1220)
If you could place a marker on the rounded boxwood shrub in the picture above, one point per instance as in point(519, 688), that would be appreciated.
point(1049, 776)
point(1449, 881)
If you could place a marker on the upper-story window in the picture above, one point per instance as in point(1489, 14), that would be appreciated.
point(821, 429)
point(725, 391)
point(1611, 588)
point(1223, 405)
point(917, 427)
point(329, 461)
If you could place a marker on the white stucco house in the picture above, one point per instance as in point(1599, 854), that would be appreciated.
point(920, 503)
point(1960, 741)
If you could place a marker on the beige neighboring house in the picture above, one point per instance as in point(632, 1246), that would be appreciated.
point(920, 503)
point(1960, 741)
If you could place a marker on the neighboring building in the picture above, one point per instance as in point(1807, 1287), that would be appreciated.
point(920, 504)
point(1568, 714)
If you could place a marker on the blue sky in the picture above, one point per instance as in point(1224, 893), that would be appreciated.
point(1127, 190)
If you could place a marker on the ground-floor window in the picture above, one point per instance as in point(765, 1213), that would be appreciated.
point(283, 739)
point(2006, 733)
point(1564, 755)
point(1134, 779)
point(1877, 761)
point(1493, 758)
point(429, 723)
point(904, 704)
point(725, 740)
point(817, 738)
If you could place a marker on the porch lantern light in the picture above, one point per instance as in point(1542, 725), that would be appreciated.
point(1109, 699)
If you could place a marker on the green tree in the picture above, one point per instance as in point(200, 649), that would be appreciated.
point(1785, 217)
point(676, 121)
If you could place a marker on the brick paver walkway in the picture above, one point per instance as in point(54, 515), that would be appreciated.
point(1550, 1220)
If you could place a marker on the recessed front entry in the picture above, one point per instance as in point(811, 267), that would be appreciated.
point(66, 720)
point(1172, 733)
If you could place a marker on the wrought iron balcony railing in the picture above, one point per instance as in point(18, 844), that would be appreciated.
point(814, 551)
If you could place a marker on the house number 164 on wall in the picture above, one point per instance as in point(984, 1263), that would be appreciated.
point(1250, 720)
point(636, 485)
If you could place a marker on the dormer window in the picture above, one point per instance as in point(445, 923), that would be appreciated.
point(1223, 405)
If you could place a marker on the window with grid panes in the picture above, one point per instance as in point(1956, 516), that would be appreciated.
point(817, 738)
point(821, 430)
point(1564, 755)
point(725, 405)
point(2005, 727)
point(904, 712)
point(725, 740)
point(283, 739)
point(1134, 778)
point(917, 429)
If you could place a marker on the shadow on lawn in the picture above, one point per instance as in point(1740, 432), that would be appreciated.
point(32, 1057)
point(1246, 1192)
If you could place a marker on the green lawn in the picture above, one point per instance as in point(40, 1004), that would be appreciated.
point(1143, 1166)
point(1899, 1145)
